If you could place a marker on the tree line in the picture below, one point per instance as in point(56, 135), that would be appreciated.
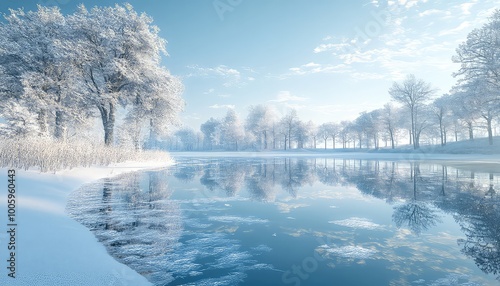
point(415, 114)
point(58, 72)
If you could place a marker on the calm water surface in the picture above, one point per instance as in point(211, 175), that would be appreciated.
point(299, 221)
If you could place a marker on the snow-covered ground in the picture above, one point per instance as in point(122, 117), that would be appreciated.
point(52, 248)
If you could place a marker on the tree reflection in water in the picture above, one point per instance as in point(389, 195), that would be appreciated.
point(135, 214)
point(417, 215)
point(456, 191)
point(134, 219)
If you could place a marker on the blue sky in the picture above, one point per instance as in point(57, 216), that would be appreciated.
point(328, 59)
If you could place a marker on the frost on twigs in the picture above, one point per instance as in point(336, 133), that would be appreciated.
point(50, 155)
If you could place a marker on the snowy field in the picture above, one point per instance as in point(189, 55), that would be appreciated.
point(54, 249)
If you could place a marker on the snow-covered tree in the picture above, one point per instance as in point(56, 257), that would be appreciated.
point(478, 56)
point(288, 124)
point(301, 133)
point(209, 130)
point(345, 132)
point(188, 138)
point(462, 108)
point(231, 130)
point(35, 71)
point(329, 130)
point(483, 100)
point(412, 93)
point(442, 111)
point(312, 132)
point(157, 106)
point(117, 53)
point(390, 122)
point(479, 74)
point(259, 123)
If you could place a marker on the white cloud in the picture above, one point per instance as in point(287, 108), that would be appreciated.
point(340, 46)
point(230, 76)
point(220, 70)
point(311, 68)
point(465, 7)
point(286, 96)
point(210, 91)
point(456, 30)
point(434, 12)
point(220, 106)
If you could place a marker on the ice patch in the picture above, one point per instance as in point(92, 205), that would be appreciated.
point(356, 222)
point(350, 251)
point(454, 280)
point(237, 219)
point(262, 248)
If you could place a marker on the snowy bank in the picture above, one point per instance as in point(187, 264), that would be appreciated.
point(52, 248)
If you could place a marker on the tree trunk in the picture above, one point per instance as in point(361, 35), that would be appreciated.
point(392, 139)
point(265, 140)
point(490, 131)
point(413, 125)
point(289, 138)
point(60, 128)
point(471, 131)
point(441, 131)
point(42, 122)
point(108, 121)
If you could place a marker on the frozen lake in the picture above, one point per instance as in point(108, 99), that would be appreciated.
point(300, 221)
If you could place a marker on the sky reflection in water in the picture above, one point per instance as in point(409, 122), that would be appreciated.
point(299, 221)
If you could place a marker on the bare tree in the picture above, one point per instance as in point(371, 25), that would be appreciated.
point(413, 93)
point(442, 112)
point(480, 70)
point(389, 118)
point(478, 56)
point(289, 123)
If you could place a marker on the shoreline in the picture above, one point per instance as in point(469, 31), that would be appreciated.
point(480, 158)
point(53, 248)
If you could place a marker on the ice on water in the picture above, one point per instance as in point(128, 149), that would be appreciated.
point(357, 222)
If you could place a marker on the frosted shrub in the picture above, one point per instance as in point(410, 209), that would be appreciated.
point(49, 155)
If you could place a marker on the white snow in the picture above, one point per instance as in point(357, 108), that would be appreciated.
point(52, 248)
